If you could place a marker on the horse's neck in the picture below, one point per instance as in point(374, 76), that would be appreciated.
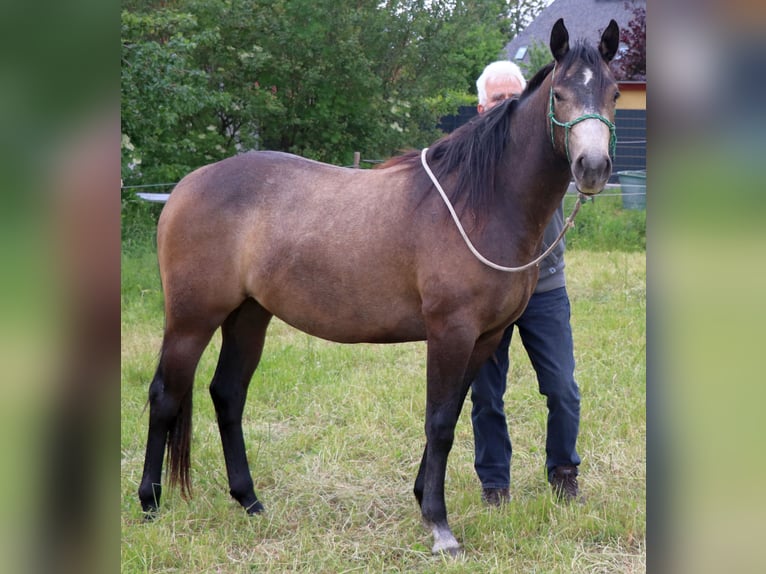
point(540, 173)
point(535, 182)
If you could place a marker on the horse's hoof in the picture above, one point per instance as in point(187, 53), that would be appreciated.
point(150, 515)
point(255, 508)
point(452, 552)
point(151, 509)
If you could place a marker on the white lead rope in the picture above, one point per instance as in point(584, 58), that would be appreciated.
point(567, 224)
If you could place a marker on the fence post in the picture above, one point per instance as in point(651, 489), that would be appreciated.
point(357, 159)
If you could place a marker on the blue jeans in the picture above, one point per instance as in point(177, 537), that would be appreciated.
point(547, 337)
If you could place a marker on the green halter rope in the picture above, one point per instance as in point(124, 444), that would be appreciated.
point(568, 125)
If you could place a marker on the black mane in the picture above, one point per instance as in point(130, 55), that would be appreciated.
point(473, 152)
point(537, 79)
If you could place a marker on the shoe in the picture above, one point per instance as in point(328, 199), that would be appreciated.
point(563, 480)
point(495, 496)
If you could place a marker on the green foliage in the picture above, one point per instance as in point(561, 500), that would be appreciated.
point(539, 56)
point(523, 12)
point(138, 222)
point(205, 79)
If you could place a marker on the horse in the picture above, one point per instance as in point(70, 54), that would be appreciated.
point(372, 256)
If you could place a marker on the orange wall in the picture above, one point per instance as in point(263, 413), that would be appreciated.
point(632, 96)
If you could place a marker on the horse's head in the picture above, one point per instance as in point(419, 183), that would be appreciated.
point(581, 105)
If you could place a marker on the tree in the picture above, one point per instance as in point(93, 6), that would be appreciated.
point(630, 63)
point(539, 56)
point(164, 95)
point(204, 79)
point(522, 12)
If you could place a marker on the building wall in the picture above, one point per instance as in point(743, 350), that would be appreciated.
point(632, 96)
point(630, 122)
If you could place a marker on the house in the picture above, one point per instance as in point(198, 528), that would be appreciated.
point(583, 18)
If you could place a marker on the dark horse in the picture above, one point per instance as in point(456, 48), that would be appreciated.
point(372, 256)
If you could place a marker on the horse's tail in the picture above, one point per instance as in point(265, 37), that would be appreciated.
point(179, 447)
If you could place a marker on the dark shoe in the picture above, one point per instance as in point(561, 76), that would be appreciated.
point(563, 480)
point(495, 496)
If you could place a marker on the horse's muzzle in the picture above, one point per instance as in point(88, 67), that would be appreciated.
point(591, 172)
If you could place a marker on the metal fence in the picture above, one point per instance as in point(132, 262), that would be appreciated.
point(631, 141)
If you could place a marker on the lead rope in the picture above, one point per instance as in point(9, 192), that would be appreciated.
point(567, 224)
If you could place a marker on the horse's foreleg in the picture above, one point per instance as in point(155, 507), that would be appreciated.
point(421, 478)
point(447, 387)
point(441, 420)
point(243, 333)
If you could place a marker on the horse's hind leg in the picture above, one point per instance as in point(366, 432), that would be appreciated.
point(170, 404)
point(243, 333)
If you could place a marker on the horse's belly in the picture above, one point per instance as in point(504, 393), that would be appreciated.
point(344, 307)
point(356, 332)
point(338, 319)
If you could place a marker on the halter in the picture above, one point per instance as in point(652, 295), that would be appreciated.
point(568, 125)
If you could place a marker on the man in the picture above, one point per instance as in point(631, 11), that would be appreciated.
point(547, 337)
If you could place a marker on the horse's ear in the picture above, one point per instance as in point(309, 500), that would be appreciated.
point(559, 40)
point(610, 41)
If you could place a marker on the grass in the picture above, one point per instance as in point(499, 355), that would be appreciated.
point(335, 434)
point(603, 225)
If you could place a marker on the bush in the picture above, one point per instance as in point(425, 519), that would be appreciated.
point(138, 222)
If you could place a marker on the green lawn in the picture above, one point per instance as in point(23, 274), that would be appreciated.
point(335, 434)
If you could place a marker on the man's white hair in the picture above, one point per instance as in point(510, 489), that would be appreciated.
point(494, 70)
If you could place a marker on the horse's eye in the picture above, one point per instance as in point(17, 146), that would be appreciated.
point(557, 96)
point(616, 96)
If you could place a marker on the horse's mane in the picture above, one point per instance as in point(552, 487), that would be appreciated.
point(472, 152)
point(537, 79)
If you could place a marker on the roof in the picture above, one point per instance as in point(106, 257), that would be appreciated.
point(583, 18)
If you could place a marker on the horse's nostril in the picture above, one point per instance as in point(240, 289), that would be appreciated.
point(607, 168)
point(581, 165)
point(598, 166)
